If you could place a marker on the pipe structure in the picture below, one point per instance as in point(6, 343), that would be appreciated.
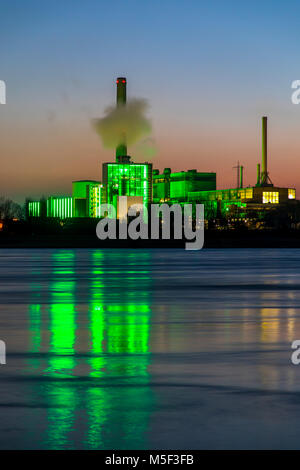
point(237, 168)
point(241, 175)
point(121, 150)
point(258, 175)
point(264, 160)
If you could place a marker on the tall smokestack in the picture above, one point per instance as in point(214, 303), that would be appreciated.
point(264, 160)
point(241, 175)
point(258, 175)
point(121, 150)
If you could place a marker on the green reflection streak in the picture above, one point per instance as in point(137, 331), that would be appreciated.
point(97, 397)
point(62, 405)
point(62, 396)
point(35, 318)
point(119, 335)
point(119, 316)
point(63, 334)
point(97, 326)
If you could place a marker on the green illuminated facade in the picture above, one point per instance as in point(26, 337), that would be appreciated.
point(139, 182)
point(127, 179)
point(119, 179)
point(96, 197)
point(134, 180)
point(59, 207)
point(34, 208)
point(175, 187)
point(88, 195)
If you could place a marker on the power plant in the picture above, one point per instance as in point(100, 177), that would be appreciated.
point(144, 185)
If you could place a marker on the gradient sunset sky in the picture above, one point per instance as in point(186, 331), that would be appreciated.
point(209, 70)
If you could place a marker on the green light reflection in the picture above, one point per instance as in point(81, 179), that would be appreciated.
point(62, 325)
point(94, 345)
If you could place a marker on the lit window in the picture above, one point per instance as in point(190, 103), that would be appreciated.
point(246, 193)
point(292, 193)
point(270, 196)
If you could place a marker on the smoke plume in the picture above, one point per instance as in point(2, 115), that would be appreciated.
point(145, 149)
point(129, 120)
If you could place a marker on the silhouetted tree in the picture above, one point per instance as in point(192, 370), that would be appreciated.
point(10, 209)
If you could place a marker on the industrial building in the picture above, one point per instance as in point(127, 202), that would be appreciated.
point(87, 196)
point(176, 186)
point(127, 179)
point(241, 201)
point(142, 185)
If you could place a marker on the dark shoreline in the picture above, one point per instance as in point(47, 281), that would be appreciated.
point(212, 239)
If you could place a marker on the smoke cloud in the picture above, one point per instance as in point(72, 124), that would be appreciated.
point(129, 120)
point(145, 149)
